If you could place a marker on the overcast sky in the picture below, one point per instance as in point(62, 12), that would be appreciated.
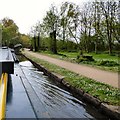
point(26, 13)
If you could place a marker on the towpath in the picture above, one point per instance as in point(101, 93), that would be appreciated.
point(106, 77)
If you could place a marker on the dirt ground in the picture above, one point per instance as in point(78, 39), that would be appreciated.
point(106, 77)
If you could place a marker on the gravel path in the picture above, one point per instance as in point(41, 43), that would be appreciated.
point(90, 72)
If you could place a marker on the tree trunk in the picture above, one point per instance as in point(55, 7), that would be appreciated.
point(109, 37)
point(51, 41)
point(38, 41)
point(35, 47)
point(64, 46)
point(96, 47)
point(54, 43)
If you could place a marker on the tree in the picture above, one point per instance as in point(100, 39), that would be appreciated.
point(96, 24)
point(25, 40)
point(50, 23)
point(73, 22)
point(64, 22)
point(109, 12)
point(38, 33)
point(35, 34)
point(53, 44)
point(10, 34)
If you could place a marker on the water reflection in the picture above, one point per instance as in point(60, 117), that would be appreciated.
point(58, 102)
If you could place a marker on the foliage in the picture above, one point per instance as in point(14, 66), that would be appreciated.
point(66, 46)
point(45, 43)
point(107, 63)
point(50, 23)
point(82, 58)
point(93, 26)
point(10, 34)
point(25, 40)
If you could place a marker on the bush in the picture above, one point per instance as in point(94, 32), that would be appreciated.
point(107, 63)
point(83, 58)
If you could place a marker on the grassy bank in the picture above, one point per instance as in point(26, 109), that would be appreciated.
point(101, 91)
point(99, 59)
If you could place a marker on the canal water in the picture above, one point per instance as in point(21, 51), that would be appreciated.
point(50, 96)
point(57, 101)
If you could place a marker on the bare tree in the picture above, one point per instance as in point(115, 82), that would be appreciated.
point(109, 10)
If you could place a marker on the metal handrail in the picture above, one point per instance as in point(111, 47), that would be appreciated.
point(3, 94)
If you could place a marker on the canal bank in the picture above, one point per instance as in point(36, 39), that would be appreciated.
point(109, 110)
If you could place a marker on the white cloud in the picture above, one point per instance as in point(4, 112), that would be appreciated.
point(26, 13)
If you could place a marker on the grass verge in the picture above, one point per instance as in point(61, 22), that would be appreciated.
point(103, 92)
point(71, 57)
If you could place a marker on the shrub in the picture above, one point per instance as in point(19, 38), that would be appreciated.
point(83, 58)
point(107, 63)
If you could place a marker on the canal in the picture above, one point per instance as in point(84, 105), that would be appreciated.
point(52, 99)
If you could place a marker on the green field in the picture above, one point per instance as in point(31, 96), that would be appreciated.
point(99, 59)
